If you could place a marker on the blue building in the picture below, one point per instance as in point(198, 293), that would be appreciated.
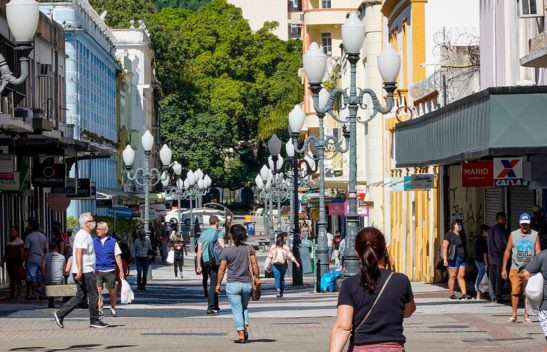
point(91, 90)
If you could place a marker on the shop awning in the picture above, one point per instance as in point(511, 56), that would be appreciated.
point(503, 121)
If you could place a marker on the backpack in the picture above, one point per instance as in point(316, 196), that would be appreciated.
point(279, 256)
point(214, 251)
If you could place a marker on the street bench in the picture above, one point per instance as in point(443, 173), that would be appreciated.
point(60, 290)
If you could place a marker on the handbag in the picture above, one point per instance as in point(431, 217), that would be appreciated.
point(375, 301)
point(255, 290)
point(170, 257)
point(451, 255)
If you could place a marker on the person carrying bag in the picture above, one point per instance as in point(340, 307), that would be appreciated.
point(372, 305)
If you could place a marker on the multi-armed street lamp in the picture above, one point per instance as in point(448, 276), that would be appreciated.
point(317, 145)
point(195, 186)
point(146, 176)
point(301, 170)
point(389, 64)
point(273, 188)
point(23, 17)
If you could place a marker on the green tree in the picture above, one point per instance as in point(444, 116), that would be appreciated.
point(120, 12)
point(185, 4)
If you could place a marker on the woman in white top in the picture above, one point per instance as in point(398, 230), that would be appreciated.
point(277, 262)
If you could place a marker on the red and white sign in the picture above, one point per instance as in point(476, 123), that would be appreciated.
point(478, 174)
point(509, 172)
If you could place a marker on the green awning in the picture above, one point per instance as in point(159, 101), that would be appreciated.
point(503, 121)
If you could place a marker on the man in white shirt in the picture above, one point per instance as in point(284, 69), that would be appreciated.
point(109, 256)
point(330, 240)
point(83, 272)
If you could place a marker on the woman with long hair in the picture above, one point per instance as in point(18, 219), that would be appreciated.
point(277, 262)
point(239, 259)
point(13, 258)
point(454, 257)
point(373, 303)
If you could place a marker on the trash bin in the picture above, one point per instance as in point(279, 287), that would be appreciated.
point(250, 226)
point(305, 256)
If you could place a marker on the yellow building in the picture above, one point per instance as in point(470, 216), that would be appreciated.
point(412, 219)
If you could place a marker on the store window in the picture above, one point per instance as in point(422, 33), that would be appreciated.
point(326, 43)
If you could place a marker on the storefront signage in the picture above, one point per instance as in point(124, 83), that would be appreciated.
point(509, 172)
point(16, 184)
point(337, 209)
point(120, 212)
point(7, 167)
point(104, 203)
point(49, 175)
point(85, 190)
point(478, 174)
point(419, 182)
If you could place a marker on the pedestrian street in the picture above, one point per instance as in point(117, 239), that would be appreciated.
point(170, 315)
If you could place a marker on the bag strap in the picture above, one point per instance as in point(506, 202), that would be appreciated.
point(375, 301)
point(250, 266)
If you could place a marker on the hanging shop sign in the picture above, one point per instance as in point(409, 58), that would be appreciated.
point(478, 174)
point(49, 175)
point(120, 212)
point(103, 203)
point(7, 167)
point(18, 181)
point(509, 172)
point(337, 209)
point(419, 182)
point(57, 202)
point(82, 188)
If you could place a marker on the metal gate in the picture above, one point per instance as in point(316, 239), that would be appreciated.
point(493, 203)
point(521, 200)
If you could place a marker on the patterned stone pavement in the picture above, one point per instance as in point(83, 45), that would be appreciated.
point(170, 316)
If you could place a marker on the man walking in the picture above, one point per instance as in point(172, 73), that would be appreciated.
point(83, 272)
point(211, 234)
point(497, 243)
point(143, 249)
point(522, 246)
point(35, 250)
point(108, 255)
point(539, 265)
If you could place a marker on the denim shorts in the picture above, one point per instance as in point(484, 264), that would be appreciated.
point(33, 271)
point(456, 263)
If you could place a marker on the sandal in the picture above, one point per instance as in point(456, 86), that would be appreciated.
point(240, 340)
point(512, 320)
point(527, 321)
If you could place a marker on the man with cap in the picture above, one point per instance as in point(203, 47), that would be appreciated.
point(522, 245)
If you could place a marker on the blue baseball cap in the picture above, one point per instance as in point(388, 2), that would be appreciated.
point(525, 218)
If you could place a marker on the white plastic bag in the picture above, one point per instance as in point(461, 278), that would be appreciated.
point(484, 285)
point(534, 293)
point(170, 256)
point(127, 295)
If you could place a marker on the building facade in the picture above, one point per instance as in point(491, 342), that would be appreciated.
point(288, 13)
point(435, 39)
point(488, 154)
point(139, 95)
point(91, 95)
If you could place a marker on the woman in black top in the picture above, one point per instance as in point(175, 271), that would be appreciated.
point(481, 258)
point(454, 256)
point(372, 318)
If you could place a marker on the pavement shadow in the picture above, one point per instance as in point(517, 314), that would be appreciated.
point(74, 348)
point(262, 340)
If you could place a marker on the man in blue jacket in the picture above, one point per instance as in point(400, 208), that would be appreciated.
point(497, 242)
point(109, 255)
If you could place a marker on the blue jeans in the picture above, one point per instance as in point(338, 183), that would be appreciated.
point(480, 274)
point(142, 271)
point(279, 275)
point(239, 295)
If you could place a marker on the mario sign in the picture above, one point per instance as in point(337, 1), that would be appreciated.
point(508, 172)
point(478, 174)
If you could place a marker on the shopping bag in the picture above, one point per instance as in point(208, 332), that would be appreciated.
point(534, 293)
point(127, 295)
point(149, 275)
point(328, 281)
point(484, 285)
point(170, 257)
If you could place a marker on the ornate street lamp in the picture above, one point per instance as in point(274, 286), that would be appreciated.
point(389, 63)
point(146, 176)
point(22, 17)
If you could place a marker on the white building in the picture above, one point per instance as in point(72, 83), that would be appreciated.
point(138, 94)
point(287, 13)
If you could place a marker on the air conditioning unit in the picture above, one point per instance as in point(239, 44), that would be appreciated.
point(24, 113)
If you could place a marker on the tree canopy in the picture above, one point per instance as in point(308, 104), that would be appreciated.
point(225, 89)
point(184, 4)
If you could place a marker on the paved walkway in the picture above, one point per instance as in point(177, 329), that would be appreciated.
point(170, 316)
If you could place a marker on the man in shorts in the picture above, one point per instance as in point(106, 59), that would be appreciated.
point(109, 255)
point(35, 250)
point(539, 265)
point(523, 244)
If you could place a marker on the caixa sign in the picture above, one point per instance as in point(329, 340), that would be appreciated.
point(509, 172)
